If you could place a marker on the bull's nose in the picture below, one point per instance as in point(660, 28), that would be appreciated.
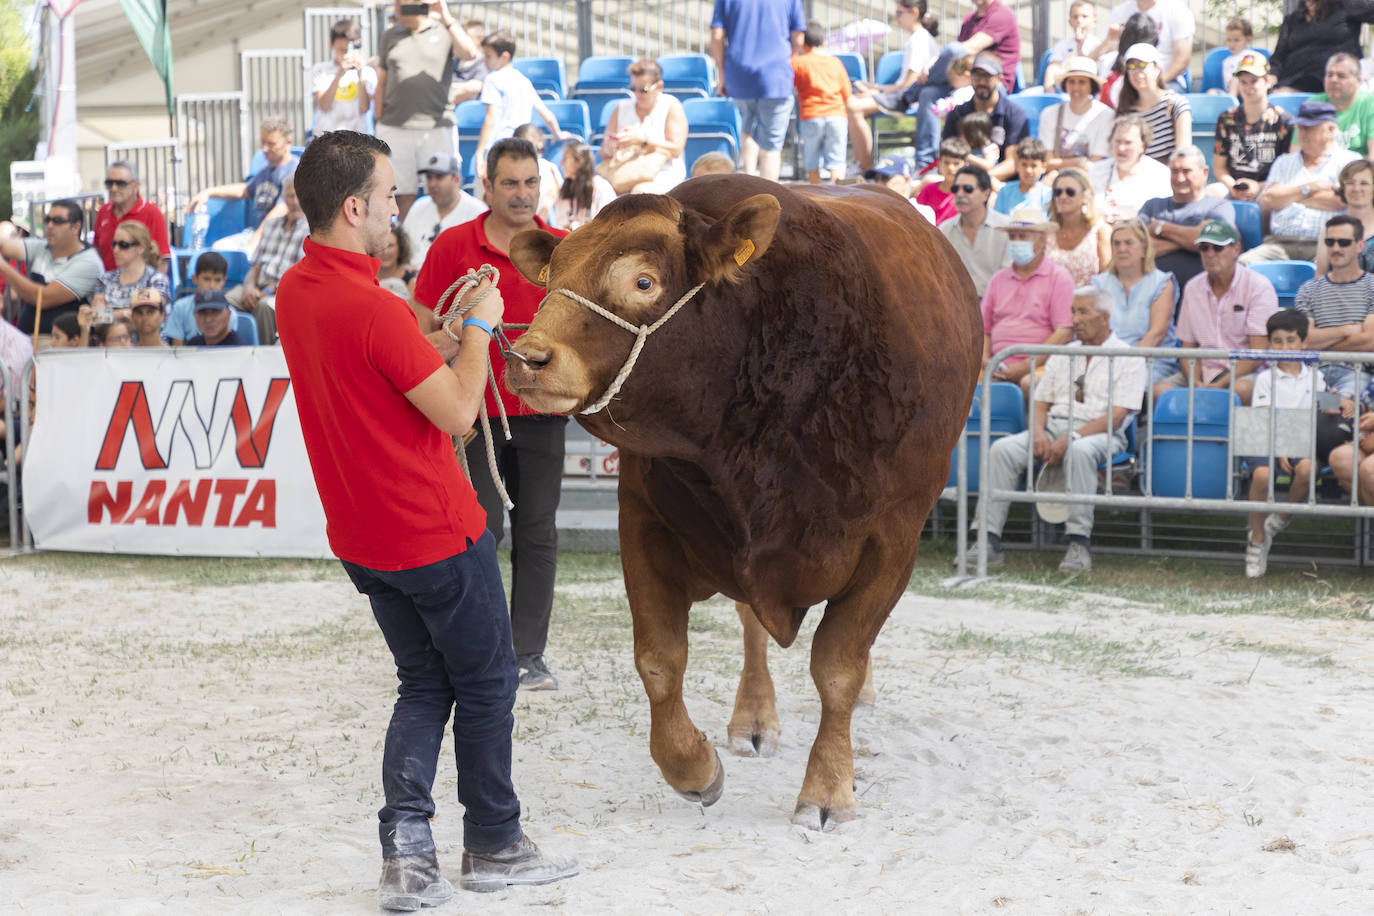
point(533, 357)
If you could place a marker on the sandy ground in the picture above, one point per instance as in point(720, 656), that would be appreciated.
point(216, 750)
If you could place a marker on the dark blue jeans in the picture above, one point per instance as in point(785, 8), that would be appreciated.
point(449, 632)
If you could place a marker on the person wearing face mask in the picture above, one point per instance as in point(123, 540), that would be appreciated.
point(1027, 302)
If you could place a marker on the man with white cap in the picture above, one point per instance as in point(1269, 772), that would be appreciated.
point(1251, 135)
point(1009, 123)
point(1174, 22)
point(1301, 193)
point(1077, 132)
point(445, 205)
point(1027, 302)
point(1070, 428)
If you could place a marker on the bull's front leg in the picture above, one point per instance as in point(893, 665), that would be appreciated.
point(659, 608)
point(754, 728)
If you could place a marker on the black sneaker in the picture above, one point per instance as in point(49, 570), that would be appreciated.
point(534, 674)
point(519, 863)
point(410, 882)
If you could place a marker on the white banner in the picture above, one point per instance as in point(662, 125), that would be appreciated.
point(176, 451)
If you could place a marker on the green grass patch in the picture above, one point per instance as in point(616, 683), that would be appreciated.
point(1062, 648)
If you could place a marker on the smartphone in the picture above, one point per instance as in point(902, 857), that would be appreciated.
point(103, 315)
point(1243, 186)
point(414, 9)
point(1328, 400)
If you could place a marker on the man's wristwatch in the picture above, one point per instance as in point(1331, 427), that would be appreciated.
point(1158, 229)
point(1307, 190)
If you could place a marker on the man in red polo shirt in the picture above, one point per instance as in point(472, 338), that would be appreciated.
point(405, 522)
point(121, 183)
point(531, 463)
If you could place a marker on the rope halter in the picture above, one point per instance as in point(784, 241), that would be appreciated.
point(641, 333)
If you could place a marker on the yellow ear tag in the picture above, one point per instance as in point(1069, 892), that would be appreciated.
point(742, 253)
point(544, 274)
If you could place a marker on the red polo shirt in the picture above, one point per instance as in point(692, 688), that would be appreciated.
point(465, 247)
point(393, 493)
point(146, 213)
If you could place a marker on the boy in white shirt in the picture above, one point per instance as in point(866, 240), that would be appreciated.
point(510, 99)
point(1239, 34)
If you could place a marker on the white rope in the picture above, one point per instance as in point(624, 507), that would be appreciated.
point(641, 333)
point(460, 286)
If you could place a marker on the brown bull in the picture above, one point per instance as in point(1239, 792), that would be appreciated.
point(783, 433)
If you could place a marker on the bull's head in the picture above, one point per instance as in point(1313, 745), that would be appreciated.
point(642, 255)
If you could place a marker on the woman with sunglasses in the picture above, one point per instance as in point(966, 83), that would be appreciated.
point(1354, 186)
point(652, 122)
point(1168, 114)
point(1143, 296)
point(1080, 245)
point(136, 260)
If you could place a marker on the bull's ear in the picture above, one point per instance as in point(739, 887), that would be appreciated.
point(530, 252)
point(740, 237)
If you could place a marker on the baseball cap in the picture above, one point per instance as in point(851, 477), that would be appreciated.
point(1143, 51)
point(210, 299)
point(1310, 114)
point(988, 63)
point(1253, 63)
point(1218, 232)
point(891, 166)
point(442, 164)
point(147, 296)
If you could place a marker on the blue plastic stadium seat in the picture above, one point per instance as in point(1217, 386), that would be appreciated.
point(468, 117)
point(888, 69)
point(604, 73)
point(228, 216)
point(1034, 105)
point(1207, 108)
point(1044, 65)
point(1290, 102)
point(1211, 428)
point(713, 116)
point(688, 75)
point(573, 116)
point(853, 65)
point(1286, 276)
point(549, 76)
point(245, 326)
point(1008, 418)
point(1248, 223)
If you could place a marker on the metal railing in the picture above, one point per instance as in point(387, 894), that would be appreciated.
point(211, 130)
point(11, 469)
point(1147, 499)
point(161, 174)
point(274, 83)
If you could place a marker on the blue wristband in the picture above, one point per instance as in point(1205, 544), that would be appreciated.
point(478, 323)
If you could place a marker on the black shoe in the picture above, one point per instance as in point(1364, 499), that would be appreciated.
point(519, 863)
point(410, 882)
point(534, 674)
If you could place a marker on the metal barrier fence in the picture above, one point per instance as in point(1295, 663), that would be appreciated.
point(90, 205)
point(1148, 500)
point(11, 469)
point(274, 83)
point(316, 21)
point(161, 175)
point(211, 130)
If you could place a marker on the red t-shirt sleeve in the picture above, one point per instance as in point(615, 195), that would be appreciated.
point(397, 349)
point(436, 274)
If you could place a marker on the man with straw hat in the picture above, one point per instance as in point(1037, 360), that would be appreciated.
point(1077, 131)
point(1027, 302)
point(1070, 430)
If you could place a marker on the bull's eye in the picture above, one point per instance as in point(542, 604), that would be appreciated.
point(645, 284)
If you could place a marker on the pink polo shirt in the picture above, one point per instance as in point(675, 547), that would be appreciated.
point(1026, 310)
point(1227, 322)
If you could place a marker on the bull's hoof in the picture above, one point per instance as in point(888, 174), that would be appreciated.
point(762, 742)
point(822, 820)
point(712, 793)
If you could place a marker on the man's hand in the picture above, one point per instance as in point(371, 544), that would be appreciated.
point(1054, 454)
point(1040, 447)
point(197, 202)
point(490, 309)
point(251, 295)
point(84, 316)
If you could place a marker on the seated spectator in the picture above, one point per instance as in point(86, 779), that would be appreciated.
point(1301, 191)
point(445, 205)
point(822, 90)
point(1354, 107)
point(1288, 386)
point(1224, 307)
point(550, 176)
point(894, 173)
point(652, 125)
point(1129, 178)
point(1238, 35)
point(262, 191)
point(938, 194)
point(1357, 457)
point(1166, 113)
point(213, 322)
point(712, 163)
point(60, 265)
point(1339, 305)
point(116, 335)
point(211, 271)
point(1081, 41)
point(1143, 296)
point(1009, 123)
point(127, 203)
point(1027, 302)
point(1251, 135)
point(342, 86)
point(1027, 190)
point(469, 75)
point(510, 98)
point(1103, 394)
point(397, 272)
point(1355, 187)
point(282, 241)
point(1138, 28)
point(148, 308)
point(583, 192)
point(136, 268)
point(974, 233)
point(976, 130)
point(66, 331)
point(1176, 220)
point(918, 53)
point(1080, 243)
point(1076, 131)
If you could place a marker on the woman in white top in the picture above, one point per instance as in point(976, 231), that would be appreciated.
point(583, 192)
point(1075, 132)
point(1129, 178)
point(652, 120)
point(342, 85)
point(918, 53)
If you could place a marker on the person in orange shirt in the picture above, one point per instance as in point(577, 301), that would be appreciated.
point(822, 89)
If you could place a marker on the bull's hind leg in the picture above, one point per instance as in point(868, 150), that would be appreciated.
point(754, 728)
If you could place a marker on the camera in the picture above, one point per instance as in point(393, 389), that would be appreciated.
point(103, 315)
point(414, 9)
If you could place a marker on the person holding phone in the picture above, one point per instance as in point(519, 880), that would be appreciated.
point(1250, 136)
